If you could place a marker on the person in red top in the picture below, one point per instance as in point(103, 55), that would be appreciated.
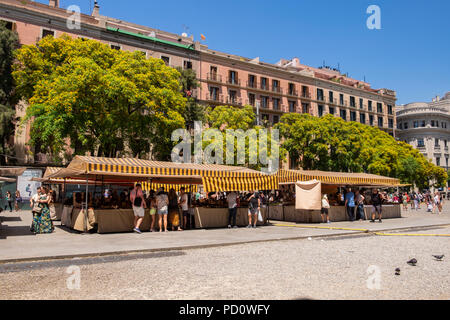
point(139, 206)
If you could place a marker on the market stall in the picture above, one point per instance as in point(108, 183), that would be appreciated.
point(153, 174)
point(331, 184)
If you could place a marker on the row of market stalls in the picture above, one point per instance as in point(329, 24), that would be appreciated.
point(99, 179)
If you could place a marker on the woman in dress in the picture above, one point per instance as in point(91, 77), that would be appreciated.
point(17, 201)
point(174, 214)
point(42, 222)
point(8, 201)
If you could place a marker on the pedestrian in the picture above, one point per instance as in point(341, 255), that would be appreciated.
point(9, 200)
point(416, 201)
point(437, 202)
point(232, 209)
point(153, 208)
point(17, 201)
point(51, 205)
point(360, 205)
point(350, 204)
point(405, 201)
point(139, 206)
point(174, 212)
point(42, 223)
point(34, 206)
point(325, 207)
point(184, 204)
point(162, 204)
point(377, 200)
point(254, 205)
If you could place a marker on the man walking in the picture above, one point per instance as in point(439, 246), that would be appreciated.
point(377, 199)
point(139, 206)
point(350, 204)
point(184, 204)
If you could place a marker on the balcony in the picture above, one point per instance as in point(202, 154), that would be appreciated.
point(277, 90)
point(234, 82)
point(292, 93)
point(214, 98)
point(332, 101)
point(321, 98)
point(214, 77)
point(236, 101)
point(306, 95)
point(252, 84)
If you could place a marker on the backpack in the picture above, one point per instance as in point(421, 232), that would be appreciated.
point(137, 202)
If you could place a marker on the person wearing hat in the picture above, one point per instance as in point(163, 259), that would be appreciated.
point(139, 206)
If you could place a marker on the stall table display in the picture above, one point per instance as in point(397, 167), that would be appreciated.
point(218, 217)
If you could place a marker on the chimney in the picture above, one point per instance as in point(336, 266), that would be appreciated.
point(96, 10)
point(54, 3)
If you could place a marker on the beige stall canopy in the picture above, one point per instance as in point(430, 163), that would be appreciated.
point(308, 195)
point(12, 171)
point(337, 178)
point(5, 179)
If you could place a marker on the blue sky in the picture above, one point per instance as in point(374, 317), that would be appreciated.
point(410, 54)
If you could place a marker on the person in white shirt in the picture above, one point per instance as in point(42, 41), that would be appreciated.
point(325, 207)
point(162, 204)
point(232, 208)
point(184, 204)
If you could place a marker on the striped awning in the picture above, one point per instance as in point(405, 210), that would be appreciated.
point(148, 186)
point(336, 178)
point(261, 182)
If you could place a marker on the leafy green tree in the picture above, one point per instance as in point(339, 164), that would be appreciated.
point(103, 101)
point(8, 43)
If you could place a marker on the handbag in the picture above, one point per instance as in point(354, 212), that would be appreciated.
point(36, 208)
point(260, 218)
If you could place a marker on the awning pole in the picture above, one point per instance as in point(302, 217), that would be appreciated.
point(86, 208)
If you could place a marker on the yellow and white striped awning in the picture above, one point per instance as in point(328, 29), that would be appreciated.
point(148, 186)
point(336, 178)
point(261, 182)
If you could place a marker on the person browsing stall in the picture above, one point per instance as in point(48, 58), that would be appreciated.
point(139, 206)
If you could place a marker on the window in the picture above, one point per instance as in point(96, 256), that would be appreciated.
point(371, 120)
point(438, 161)
point(320, 94)
point(275, 85)
point(331, 110)
point(390, 110)
point(391, 123)
point(369, 105)
point(362, 118)
point(331, 96)
point(232, 96)
point(436, 143)
point(251, 99)
point(264, 101)
point(445, 143)
point(416, 124)
point(432, 123)
point(305, 91)
point(292, 89)
point(352, 116)
point(166, 60)
point(8, 24)
point(276, 103)
point(422, 123)
point(379, 107)
point(380, 121)
point(232, 77)
point(361, 103)
point(405, 125)
point(341, 99)
point(187, 64)
point(446, 163)
point(292, 106)
point(320, 110)
point(214, 93)
point(276, 119)
point(420, 143)
point(352, 102)
point(46, 32)
point(251, 81)
point(264, 84)
point(399, 126)
point(305, 107)
point(343, 114)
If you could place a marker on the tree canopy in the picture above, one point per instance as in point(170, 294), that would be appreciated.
point(103, 101)
point(8, 43)
point(332, 144)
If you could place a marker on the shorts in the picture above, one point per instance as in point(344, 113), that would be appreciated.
point(252, 210)
point(163, 211)
point(152, 211)
point(376, 209)
point(139, 211)
point(186, 213)
point(324, 211)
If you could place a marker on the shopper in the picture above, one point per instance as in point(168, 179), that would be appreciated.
point(153, 209)
point(42, 222)
point(162, 203)
point(184, 204)
point(437, 202)
point(416, 201)
point(325, 207)
point(377, 200)
point(17, 201)
point(174, 211)
point(360, 205)
point(350, 204)
point(8, 201)
point(254, 205)
point(139, 206)
point(232, 209)
point(34, 206)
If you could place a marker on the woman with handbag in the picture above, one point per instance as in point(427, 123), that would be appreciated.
point(17, 201)
point(42, 222)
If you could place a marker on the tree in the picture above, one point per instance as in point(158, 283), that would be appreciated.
point(103, 101)
point(194, 111)
point(8, 43)
point(331, 144)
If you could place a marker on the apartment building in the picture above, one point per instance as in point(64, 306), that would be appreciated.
point(272, 89)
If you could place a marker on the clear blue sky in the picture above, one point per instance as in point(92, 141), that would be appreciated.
point(410, 54)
